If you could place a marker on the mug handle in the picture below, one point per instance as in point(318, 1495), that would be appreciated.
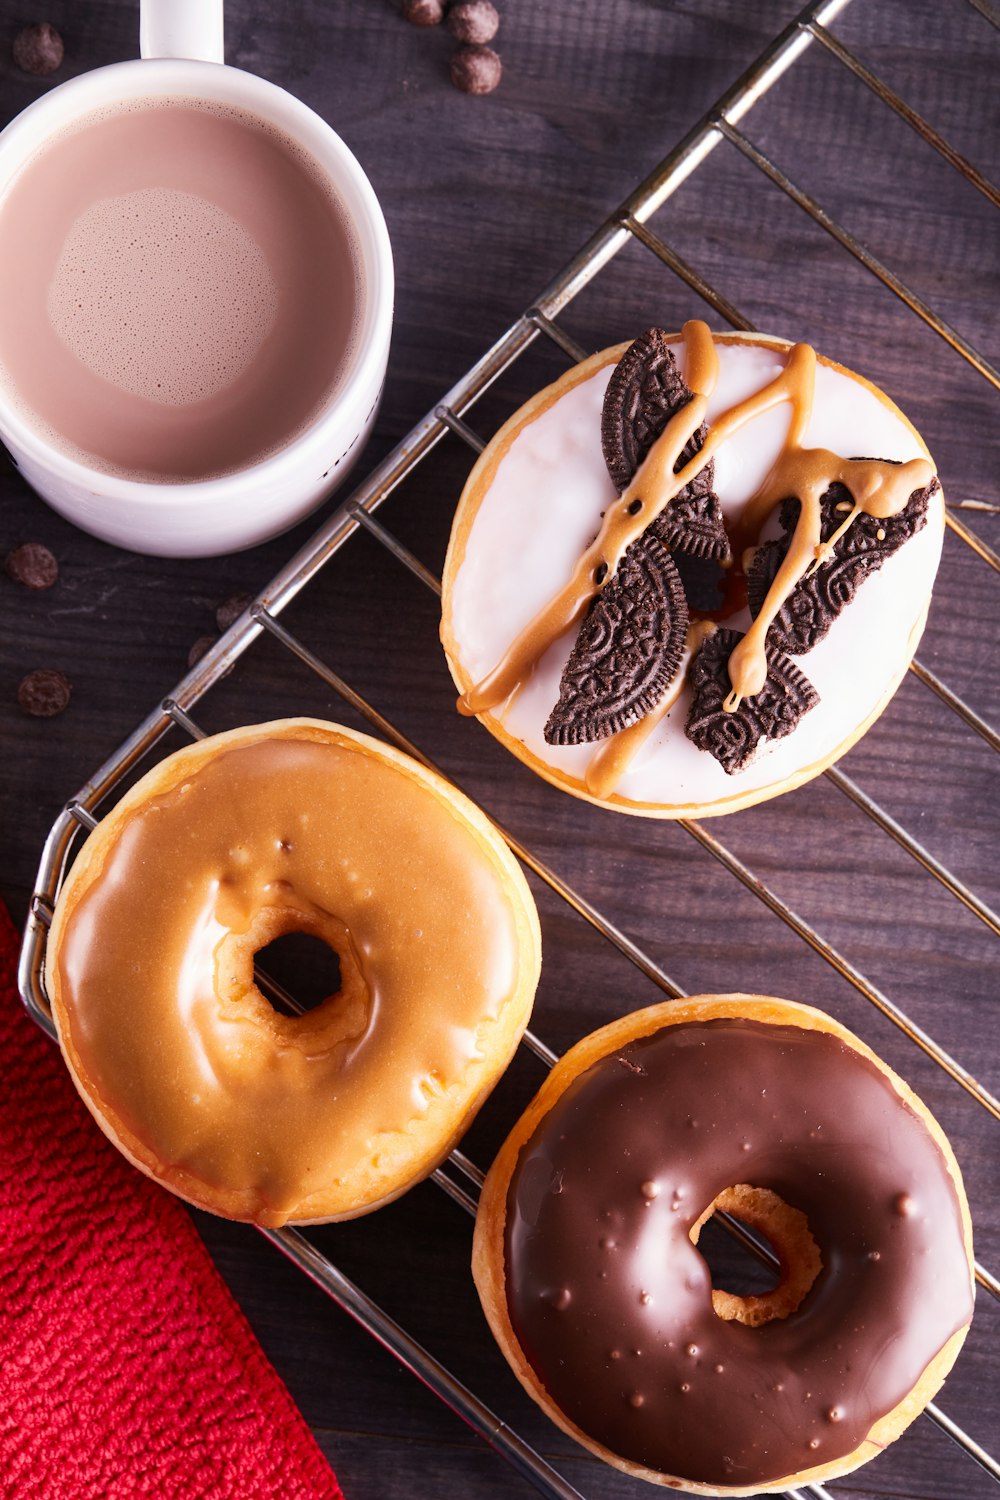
point(181, 28)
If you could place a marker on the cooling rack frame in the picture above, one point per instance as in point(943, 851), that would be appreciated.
point(629, 223)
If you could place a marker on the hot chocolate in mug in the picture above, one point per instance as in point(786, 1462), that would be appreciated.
point(198, 297)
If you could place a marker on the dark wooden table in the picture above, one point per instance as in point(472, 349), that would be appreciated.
point(486, 199)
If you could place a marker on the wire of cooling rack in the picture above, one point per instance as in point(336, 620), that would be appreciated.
point(629, 223)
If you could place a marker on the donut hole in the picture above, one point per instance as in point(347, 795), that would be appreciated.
point(786, 1232)
point(297, 971)
point(736, 1268)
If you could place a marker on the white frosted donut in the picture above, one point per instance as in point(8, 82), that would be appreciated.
point(533, 505)
point(295, 826)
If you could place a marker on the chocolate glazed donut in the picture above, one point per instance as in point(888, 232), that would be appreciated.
point(587, 1265)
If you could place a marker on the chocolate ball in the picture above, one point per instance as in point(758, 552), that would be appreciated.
point(229, 611)
point(32, 565)
point(473, 21)
point(203, 644)
point(423, 12)
point(476, 70)
point(44, 693)
point(38, 49)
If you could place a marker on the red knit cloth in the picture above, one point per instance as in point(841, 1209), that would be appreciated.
point(126, 1368)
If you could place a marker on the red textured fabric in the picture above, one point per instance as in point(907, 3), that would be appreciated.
point(126, 1368)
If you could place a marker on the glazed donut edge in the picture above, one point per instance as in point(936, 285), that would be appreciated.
point(489, 1258)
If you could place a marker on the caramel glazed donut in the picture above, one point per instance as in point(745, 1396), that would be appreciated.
point(292, 826)
point(585, 1251)
point(676, 585)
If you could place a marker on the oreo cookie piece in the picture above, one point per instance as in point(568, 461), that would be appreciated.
point(816, 601)
point(735, 738)
point(692, 522)
point(627, 652)
point(646, 389)
point(873, 535)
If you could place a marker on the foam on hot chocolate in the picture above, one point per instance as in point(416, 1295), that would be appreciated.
point(183, 304)
point(182, 290)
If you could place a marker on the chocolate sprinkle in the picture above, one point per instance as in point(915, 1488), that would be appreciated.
point(229, 611)
point(38, 49)
point(201, 647)
point(32, 565)
point(734, 738)
point(816, 601)
point(474, 21)
point(475, 70)
point(423, 12)
point(627, 652)
point(44, 693)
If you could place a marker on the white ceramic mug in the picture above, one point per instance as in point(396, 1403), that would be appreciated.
point(181, 47)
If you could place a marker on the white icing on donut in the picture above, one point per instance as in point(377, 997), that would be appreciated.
point(544, 507)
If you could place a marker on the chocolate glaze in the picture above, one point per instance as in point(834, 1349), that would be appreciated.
point(611, 1302)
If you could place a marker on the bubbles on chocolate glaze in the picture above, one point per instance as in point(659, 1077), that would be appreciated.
point(835, 1414)
point(636, 1399)
point(691, 1350)
point(645, 1298)
point(562, 1299)
point(814, 1443)
point(185, 303)
point(904, 1206)
point(650, 1190)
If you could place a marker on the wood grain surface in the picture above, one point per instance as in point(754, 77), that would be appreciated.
point(486, 199)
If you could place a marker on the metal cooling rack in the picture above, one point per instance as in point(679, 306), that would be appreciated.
point(627, 224)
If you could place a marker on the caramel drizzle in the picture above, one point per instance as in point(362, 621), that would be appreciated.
point(653, 486)
point(878, 488)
